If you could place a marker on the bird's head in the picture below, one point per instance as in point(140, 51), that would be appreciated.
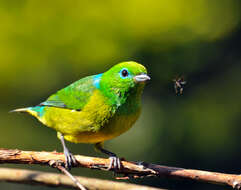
point(124, 78)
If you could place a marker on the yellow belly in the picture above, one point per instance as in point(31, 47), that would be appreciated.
point(114, 128)
point(95, 123)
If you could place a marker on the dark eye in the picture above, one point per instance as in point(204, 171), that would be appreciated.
point(124, 73)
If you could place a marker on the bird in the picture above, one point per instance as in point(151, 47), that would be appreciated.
point(94, 109)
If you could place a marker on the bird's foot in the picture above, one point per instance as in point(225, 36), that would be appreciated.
point(115, 163)
point(70, 160)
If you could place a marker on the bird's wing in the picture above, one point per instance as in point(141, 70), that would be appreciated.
point(74, 96)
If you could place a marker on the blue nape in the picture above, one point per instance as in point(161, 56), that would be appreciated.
point(96, 81)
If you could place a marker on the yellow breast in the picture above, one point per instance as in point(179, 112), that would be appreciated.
point(115, 127)
point(95, 123)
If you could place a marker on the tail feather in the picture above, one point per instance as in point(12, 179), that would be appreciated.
point(29, 110)
point(36, 111)
point(20, 110)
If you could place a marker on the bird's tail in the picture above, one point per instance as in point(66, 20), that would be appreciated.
point(20, 110)
point(29, 110)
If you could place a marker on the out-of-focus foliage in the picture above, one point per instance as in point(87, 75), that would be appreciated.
point(46, 45)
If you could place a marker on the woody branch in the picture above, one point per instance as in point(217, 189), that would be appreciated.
point(58, 180)
point(129, 169)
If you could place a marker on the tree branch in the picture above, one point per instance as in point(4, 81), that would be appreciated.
point(129, 169)
point(59, 180)
point(73, 178)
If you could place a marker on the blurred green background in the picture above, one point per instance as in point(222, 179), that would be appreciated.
point(46, 45)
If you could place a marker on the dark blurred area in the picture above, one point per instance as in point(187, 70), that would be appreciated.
point(46, 45)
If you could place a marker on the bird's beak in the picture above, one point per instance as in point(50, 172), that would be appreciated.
point(141, 78)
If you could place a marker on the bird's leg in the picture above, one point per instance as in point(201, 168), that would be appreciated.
point(69, 158)
point(114, 160)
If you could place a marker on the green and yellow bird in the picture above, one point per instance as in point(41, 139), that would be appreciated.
point(95, 108)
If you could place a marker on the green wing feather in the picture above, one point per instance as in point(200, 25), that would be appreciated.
point(74, 96)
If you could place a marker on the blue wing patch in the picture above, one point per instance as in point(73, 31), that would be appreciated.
point(53, 103)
